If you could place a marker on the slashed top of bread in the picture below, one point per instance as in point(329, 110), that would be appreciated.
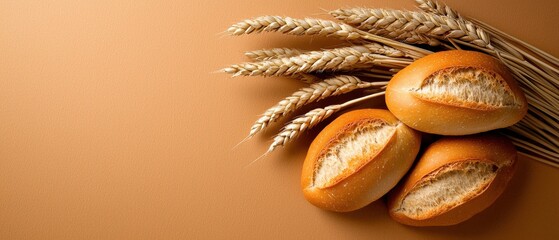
point(447, 187)
point(353, 147)
point(467, 87)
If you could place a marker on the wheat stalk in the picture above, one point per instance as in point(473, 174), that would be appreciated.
point(532, 149)
point(311, 119)
point(337, 59)
point(311, 26)
point(384, 22)
point(293, 26)
point(287, 25)
point(544, 132)
point(330, 87)
point(360, 18)
point(537, 57)
point(505, 41)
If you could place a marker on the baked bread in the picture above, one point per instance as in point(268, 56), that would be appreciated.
point(357, 159)
point(455, 178)
point(456, 93)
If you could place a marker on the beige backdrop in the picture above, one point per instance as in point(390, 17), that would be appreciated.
point(115, 125)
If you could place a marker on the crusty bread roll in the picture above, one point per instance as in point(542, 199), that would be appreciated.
point(357, 159)
point(455, 178)
point(456, 93)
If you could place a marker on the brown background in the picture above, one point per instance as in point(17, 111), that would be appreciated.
point(114, 125)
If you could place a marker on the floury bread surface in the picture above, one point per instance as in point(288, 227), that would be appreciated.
point(456, 93)
point(357, 159)
point(455, 178)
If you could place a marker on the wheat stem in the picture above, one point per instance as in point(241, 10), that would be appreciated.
point(524, 129)
point(535, 148)
point(529, 82)
point(501, 38)
point(512, 39)
point(542, 130)
point(509, 60)
point(553, 124)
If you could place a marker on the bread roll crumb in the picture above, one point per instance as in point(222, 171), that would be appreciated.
point(449, 186)
point(467, 87)
point(360, 140)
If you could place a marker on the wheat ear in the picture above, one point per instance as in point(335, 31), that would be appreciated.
point(383, 22)
point(311, 26)
point(437, 8)
point(287, 25)
point(505, 40)
point(311, 119)
point(359, 18)
point(267, 54)
point(315, 92)
point(337, 59)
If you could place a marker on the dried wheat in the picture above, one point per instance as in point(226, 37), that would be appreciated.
point(444, 10)
point(267, 54)
point(317, 61)
point(507, 42)
point(359, 17)
point(437, 8)
point(330, 87)
point(383, 22)
point(307, 26)
point(311, 26)
point(311, 119)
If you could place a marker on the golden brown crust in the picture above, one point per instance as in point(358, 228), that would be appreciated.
point(449, 119)
point(373, 179)
point(487, 147)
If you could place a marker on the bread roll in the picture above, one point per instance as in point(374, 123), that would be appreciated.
point(357, 159)
point(456, 178)
point(456, 93)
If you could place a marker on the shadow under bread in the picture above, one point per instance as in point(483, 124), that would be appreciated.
point(374, 214)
